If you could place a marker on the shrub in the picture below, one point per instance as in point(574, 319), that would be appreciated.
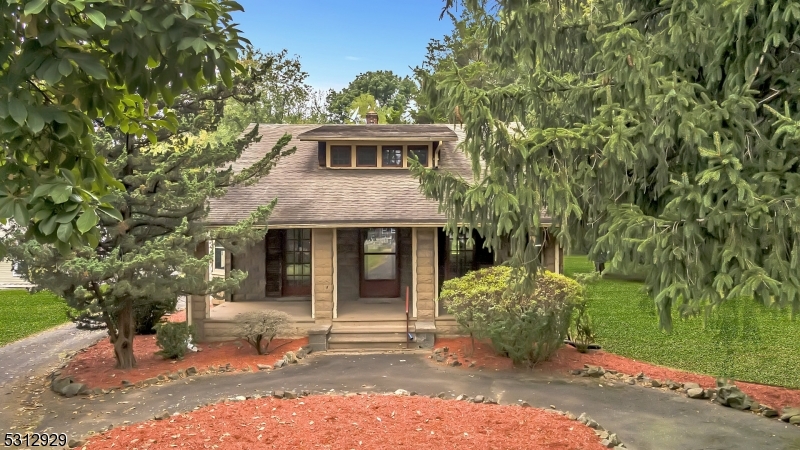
point(581, 332)
point(527, 327)
point(259, 328)
point(173, 339)
point(149, 314)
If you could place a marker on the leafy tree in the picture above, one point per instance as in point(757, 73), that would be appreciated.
point(663, 132)
point(283, 96)
point(149, 258)
point(365, 103)
point(388, 90)
point(68, 66)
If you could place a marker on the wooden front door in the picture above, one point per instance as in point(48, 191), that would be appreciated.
point(380, 263)
point(297, 262)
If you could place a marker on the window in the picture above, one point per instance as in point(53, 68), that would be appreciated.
point(219, 257)
point(380, 254)
point(392, 156)
point(340, 156)
point(420, 152)
point(297, 267)
point(366, 156)
point(462, 256)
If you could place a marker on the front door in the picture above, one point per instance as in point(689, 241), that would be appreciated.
point(297, 262)
point(380, 264)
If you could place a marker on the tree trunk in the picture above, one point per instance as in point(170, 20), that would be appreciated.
point(123, 341)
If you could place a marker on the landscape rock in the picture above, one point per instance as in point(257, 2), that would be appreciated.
point(262, 366)
point(162, 415)
point(454, 363)
point(74, 443)
point(73, 389)
point(688, 386)
point(290, 358)
point(525, 405)
point(672, 385)
point(401, 392)
point(59, 384)
point(583, 418)
point(438, 358)
point(441, 395)
point(766, 411)
point(191, 371)
point(595, 372)
point(478, 399)
point(730, 395)
point(305, 393)
point(172, 376)
point(631, 381)
point(695, 393)
point(240, 398)
point(278, 394)
point(795, 420)
point(640, 376)
point(575, 372)
point(788, 413)
point(461, 397)
point(280, 363)
point(655, 383)
point(291, 395)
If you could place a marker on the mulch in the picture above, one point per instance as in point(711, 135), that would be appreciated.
point(567, 358)
point(95, 366)
point(364, 421)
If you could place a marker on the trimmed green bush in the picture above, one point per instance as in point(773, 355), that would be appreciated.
point(173, 339)
point(259, 328)
point(527, 327)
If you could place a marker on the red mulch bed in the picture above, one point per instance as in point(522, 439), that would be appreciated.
point(371, 422)
point(95, 366)
point(568, 358)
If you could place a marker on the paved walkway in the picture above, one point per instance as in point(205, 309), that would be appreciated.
point(643, 418)
point(40, 352)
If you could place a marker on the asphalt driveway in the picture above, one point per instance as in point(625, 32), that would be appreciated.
point(643, 418)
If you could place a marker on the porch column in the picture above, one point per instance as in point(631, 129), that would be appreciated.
point(424, 270)
point(323, 243)
point(553, 254)
point(198, 307)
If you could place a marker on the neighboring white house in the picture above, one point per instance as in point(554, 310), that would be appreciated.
point(9, 279)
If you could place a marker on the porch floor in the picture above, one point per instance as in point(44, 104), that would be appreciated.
point(367, 309)
point(300, 311)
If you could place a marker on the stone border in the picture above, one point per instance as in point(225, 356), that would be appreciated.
point(724, 394)
point(68, 387)
point(607, 439)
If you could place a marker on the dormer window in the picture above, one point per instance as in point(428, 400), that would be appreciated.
point(420, 152)
point(366, 156)
point(340, 156)
point(392, 156)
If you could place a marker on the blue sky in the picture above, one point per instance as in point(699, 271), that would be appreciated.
point(337, 40)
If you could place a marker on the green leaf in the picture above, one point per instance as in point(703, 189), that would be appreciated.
point(87, 221)
point(21, 215)
point(64, 232)
point(187, 10)
point(109, 211)
point(97, 18)
point(47, 226)
point(34, 7)
point(35, 122)
point(17, 110)
point(60, 193)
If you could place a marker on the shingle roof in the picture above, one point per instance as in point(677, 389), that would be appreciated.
point(311, 195)
point(421, 132)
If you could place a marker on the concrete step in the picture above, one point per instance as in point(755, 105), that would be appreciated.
point(361, 346)
point(340, 328)
point(367, 337)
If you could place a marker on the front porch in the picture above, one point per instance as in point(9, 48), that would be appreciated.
point(352, 282)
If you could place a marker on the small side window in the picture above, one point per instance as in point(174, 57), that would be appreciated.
point(340, 156)
point(420, 152)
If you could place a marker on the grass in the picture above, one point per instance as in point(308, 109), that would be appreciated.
point(23, 314)
point(742, 339)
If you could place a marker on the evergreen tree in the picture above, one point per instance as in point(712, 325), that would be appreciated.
point(149, 258)
point(663, 132)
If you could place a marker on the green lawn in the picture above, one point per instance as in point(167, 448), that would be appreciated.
point(23, 314)
point(742, 340)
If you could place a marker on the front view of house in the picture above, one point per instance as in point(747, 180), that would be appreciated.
point(351, 237)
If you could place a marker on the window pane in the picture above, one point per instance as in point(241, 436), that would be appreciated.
point(367, 156)
point(380, 240)
point(340, 156)
point(306, 269)
point(219, 257)
point(380, 267)
point(420, 151)
point(392, 156)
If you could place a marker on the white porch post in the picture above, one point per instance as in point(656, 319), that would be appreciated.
point(436, 272)
point(313, 282)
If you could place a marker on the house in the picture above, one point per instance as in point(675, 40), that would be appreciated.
point(351, 235)
point(9, 279)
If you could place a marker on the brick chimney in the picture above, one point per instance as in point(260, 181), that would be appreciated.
point(372, 117)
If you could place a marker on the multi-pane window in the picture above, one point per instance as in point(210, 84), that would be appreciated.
point(380, 254)
point(462, 256)
point(219, 257)
point(297, 272)
point(340, 156)
point(420, 152)
point(366, 156)
point(392, 156)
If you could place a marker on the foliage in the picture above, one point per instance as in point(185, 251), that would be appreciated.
point(173, 339)
point(581, 330)
point(70, 66)
point(259, 328)
point(664, 132)
point(283, 96)
point(387, 89)
point(150, 314)
point(150, 258)
point(745, 340)
point(23, 314)
point(526, 327)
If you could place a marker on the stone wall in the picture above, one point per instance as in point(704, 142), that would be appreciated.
point(322, 243)
point(425, 273)
point(252, 261)
point(347, 264)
